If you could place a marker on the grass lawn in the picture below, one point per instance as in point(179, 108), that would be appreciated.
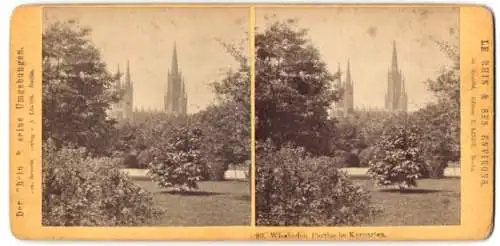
point(216, 203)
point(433, 202)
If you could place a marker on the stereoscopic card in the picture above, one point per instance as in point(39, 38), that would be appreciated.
point(251, 122)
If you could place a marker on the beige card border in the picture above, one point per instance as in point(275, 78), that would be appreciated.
point(476, 25)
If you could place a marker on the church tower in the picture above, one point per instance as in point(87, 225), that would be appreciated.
point(348, 92)
point(345, 106)
point(396, 98)
point(128, 97)
point(123, 109)
point(175, 97)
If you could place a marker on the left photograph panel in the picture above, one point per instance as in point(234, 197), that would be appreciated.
point(146, 116)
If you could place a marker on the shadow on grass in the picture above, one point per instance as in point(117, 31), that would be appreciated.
point(411, 191)
point(243, 198)
point(191, 193)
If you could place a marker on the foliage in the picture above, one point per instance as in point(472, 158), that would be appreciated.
point(293, 89)
point(342, 159)
point(137, 138)
point(130, 160)
point(81, 191)
point(440, 121)
point(447, 84)
point(144, 158)
point(295, 189)
point(365, 156)
point(234, 86)
point(439, 138)
point(226, 125)
point(75, 89)
point(226, 137)
point(177, 162)
point(397, 157)
point(348, 135)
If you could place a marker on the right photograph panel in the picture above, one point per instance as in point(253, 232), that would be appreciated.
point(357, 115)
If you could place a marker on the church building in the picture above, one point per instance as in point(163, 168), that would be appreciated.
point(175, 96)
point(123, 109)
point(396, 98)
point(174, 100)
point(345, 105)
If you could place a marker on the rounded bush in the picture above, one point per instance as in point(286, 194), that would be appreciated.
point(177, 162)
point(397, 158)
point(82, 191)
point(294, 189)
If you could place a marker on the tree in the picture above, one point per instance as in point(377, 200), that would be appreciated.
point(397, 157)
point(293, 89)
point(440, 121)
point(177, 162)
point(76, 93)
point(439, 140)
point(348, 141)
point(226, 137)
point(226, 125)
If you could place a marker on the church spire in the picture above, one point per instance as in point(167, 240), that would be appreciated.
point(118, 77)
point(339, 74)
point(403, 89)
point(348, 73)
point(127, 76)
point(394, 56)
point(175, 66)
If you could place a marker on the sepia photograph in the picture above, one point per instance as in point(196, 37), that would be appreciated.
point(146, 116)
point(357, 113)
point(251, 121)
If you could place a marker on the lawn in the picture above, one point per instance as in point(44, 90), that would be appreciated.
point(433, 202)
point(216, 203)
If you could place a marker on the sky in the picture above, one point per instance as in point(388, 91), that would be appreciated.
point(145, 37)
point(365, 36)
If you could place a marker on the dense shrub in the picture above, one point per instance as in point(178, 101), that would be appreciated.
point(342, 159)
point(397, 157)
point(294, 189)
point(365, 156)
point(216, 170)
point(81, 191)
point(440, 136)
point(177, 162)
point(226, 137)
point(130, 160)
point(144, 158)
point(351, 159)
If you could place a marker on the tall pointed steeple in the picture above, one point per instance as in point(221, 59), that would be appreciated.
point(348, 91)
point(348, 73)
point(175, 65)
point(339, 73)
point(396, 97)
point(174, 96)
point(394, 56)
point(127, 75)
point(118, 76)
